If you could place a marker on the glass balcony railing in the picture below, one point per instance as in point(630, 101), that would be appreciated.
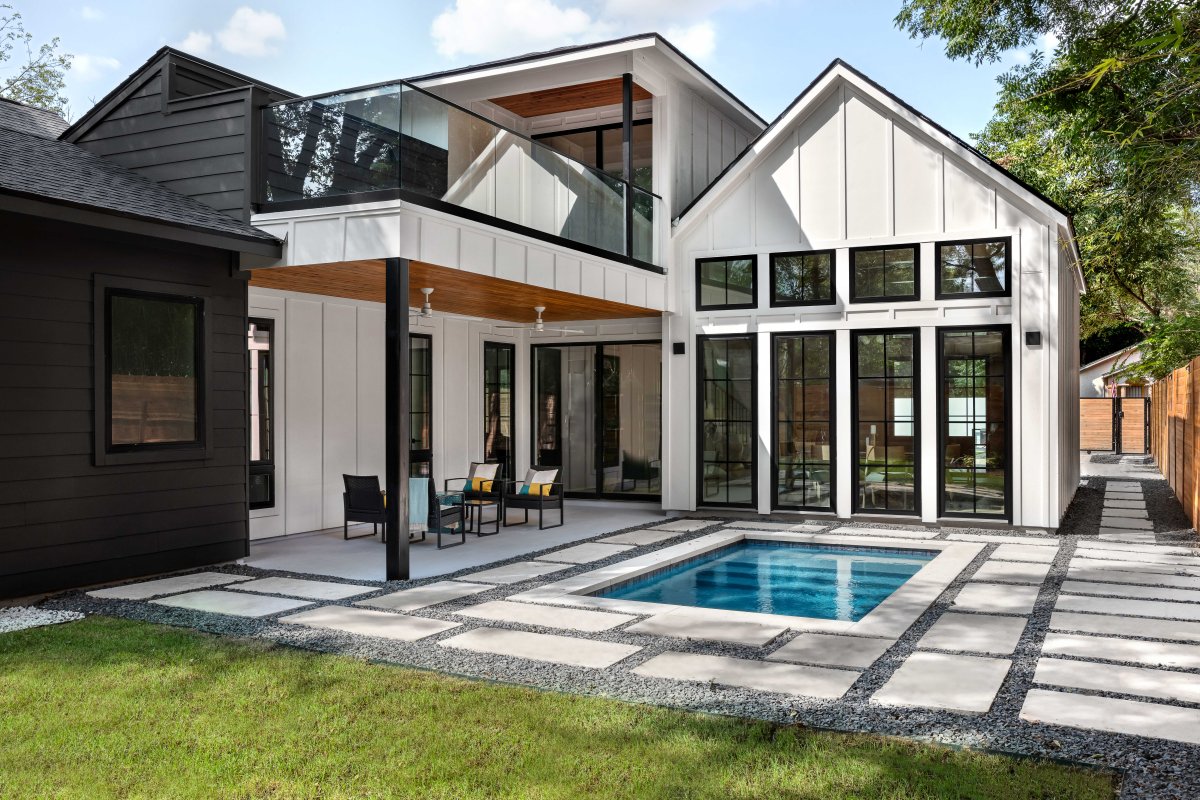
point(397, 140)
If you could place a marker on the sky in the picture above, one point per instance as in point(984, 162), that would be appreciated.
point(764, 51)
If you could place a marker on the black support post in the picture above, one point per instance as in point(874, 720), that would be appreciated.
point(398, 399)
point(627, 156)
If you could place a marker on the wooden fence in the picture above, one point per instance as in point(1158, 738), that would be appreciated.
point(1175, 434)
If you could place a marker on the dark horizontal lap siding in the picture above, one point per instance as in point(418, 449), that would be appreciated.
point(63, 521)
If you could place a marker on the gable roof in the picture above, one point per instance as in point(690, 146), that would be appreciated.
point(1112, 356)
point(49, 171)
point(16, 116)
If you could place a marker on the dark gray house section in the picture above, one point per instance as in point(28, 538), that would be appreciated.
point(186, 124)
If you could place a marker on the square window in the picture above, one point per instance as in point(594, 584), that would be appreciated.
point(800, 279)
point(726, 283)
point(974, 268)
point(885, 273)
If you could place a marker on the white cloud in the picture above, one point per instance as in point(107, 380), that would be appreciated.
point(697, 41)
point(1050, 41)
point(89, 67)
point(252, 33)
point(506, 27)
point(91, 14)
point(197, 43)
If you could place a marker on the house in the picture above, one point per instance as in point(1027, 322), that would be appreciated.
point(599, 259)
point(1104, 377)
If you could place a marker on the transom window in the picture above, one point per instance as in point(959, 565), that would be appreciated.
point(725, 282)
point(885, 273)
point(974, 267)
point(801, 279)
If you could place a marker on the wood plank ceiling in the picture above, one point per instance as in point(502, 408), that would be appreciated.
point(455, 291)
point(568, 98)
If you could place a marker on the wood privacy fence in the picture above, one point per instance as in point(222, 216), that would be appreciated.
point(1175, 434)
point(1114, 424)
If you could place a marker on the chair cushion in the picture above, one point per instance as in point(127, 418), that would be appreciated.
point(483, 471)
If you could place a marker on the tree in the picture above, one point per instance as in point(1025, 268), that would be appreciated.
point(36, 71)
point(1107, 125)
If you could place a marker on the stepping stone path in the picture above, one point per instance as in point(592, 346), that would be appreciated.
point(937, 680)
point(761, 675)
point(832, 650)
point(235, 604)
point(365, 622)
point(181, 583)
point(310, 590)
point(542, 647)
point(425, 596)
point(545, 616)
point(974, 633)
point(584, 553)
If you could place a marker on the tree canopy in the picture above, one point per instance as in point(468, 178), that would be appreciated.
point(30, 73)
point(1107, 123)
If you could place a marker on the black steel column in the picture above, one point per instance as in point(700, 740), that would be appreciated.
point(398, 402)
point(627, 156)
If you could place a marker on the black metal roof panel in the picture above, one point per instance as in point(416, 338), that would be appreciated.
point(16, 116)
point(50, 170)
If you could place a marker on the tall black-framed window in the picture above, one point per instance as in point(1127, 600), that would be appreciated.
point(600, 147)
point(726, 282)
point(499, 367)
point(260, 349)
point(974, 380)
point(155, 371)
point(886, 381)
point(727, 399)
point(804, 419)
point(802, 278)
point(974, 267)
point(879, 274)
point(420, 372)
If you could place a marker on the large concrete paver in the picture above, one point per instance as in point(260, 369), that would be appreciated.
point(365, 622)
point(1163, 684)
point(1107, 648)
point(885, 533)
point(683, 525)
point(1111, 535)
point(516, 572)
point(310, 590)
point(217, 601)
point(575, 619)
point(640, 538)
point(423, 596)
point(797, 527)
point(1113, 521)
point(995, 598)
point(1122, 486)
point(1116, 548)
point(179, 583)
point(585, 553)
point(832, 650)
point(691, 623)
point(1128, 608)
point(938, 680)
point(1012, 572)
point(1114, 715)
point(974, 633)
point(1135, 504)
point(1025, 552)
point(1118, 511)
point(1114, 562)
point(1126, 626)
point(764, 676)
point(999, 538)
point(1130, 590)
point(546, 647)
point(1083, 571)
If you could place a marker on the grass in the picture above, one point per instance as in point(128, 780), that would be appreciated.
point(109, 708)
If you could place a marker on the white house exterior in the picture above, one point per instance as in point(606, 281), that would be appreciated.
point(1101, 378)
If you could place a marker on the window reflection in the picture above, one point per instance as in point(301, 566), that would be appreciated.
point(804, 442)
point(886, 425)
point(974, 422)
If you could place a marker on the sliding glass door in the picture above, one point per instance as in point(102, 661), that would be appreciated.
point(886, 377)
point(499, 365)
point(803, 410)
point(727, 453)
point(973, 410)
point(421, 412)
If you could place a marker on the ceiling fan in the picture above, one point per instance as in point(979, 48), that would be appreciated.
point(426, 308)
point(539, 325)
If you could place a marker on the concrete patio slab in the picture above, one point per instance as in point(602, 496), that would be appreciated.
point(683, 525)
point(365, 622)
point(1126, 626)
point(1130, 513)
point(547, 647)
point(831, 650)
point(1114, 715)
point(180, 583)
point(1082, 571)
point(1012, 572)
point(974, 633)
point(889, 533)
point(995, 598)
point(798, 527)
point(516, 572)
point(1122, 486)
point(1024, 552)
point(1131, 590)
point(310, 590)
point(424, 596)
point(1000, 539)
point(574, 619)
point(1141, 681)
point(640, 538)
point(764, 676)
point(1107, 648)
point(1113, 562)
point(1127, 608)
point(215, 601)
point(585, 553)
point(692, 623)
point(936, 680)
point(1111, 521)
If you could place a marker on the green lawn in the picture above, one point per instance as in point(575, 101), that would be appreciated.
point(109, 708)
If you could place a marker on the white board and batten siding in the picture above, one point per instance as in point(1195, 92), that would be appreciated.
point(851, 167)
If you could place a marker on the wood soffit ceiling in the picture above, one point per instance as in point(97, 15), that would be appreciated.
point(455, 291)
point(568, 98)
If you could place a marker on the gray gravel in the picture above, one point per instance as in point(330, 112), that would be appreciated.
point(18, 618)
point(1150, 767)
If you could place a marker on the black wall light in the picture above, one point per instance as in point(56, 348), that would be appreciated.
point(677, 348)
point(1033, 338)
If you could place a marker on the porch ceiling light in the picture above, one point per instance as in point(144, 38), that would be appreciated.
point(426, 307)
point(539, 325)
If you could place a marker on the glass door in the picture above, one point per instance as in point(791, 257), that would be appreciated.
point(499, 365)
point(420, 372)
point(886, 428)
point(727, 399)
point(262, 413)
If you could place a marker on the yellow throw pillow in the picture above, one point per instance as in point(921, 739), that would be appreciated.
point(540, 488)
point(479, 485)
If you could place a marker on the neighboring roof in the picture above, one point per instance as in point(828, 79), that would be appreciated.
point(34, 167)
point(836, 64)
point(1109, 357)
point(16, 116)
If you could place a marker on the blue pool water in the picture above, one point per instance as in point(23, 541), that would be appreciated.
point(842, 583)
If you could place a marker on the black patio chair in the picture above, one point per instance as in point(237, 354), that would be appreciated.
point(539, 498)
point(363, 502)
point(441, 517)
point(491, 491)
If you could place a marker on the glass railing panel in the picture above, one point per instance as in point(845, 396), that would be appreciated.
point(595, 209)
point(644, 246)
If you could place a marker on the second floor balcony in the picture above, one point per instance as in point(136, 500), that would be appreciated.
point(397, 141)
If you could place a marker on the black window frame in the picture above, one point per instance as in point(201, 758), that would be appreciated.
point(510, 463)
point(855, 297)
point(773, 273)
point(943, 411)
point(856, 506)
point(104, 453)
point(700, 262)
point(833, 450)
point(598, 130)
point(699, 462)
point(263, 466)
point(418, 457)
point(937, 255)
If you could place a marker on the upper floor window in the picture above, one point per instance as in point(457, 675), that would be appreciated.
point(885, 273)
point(978, 267)
point(601, 147)
point(726, 282)
point(802, 279)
